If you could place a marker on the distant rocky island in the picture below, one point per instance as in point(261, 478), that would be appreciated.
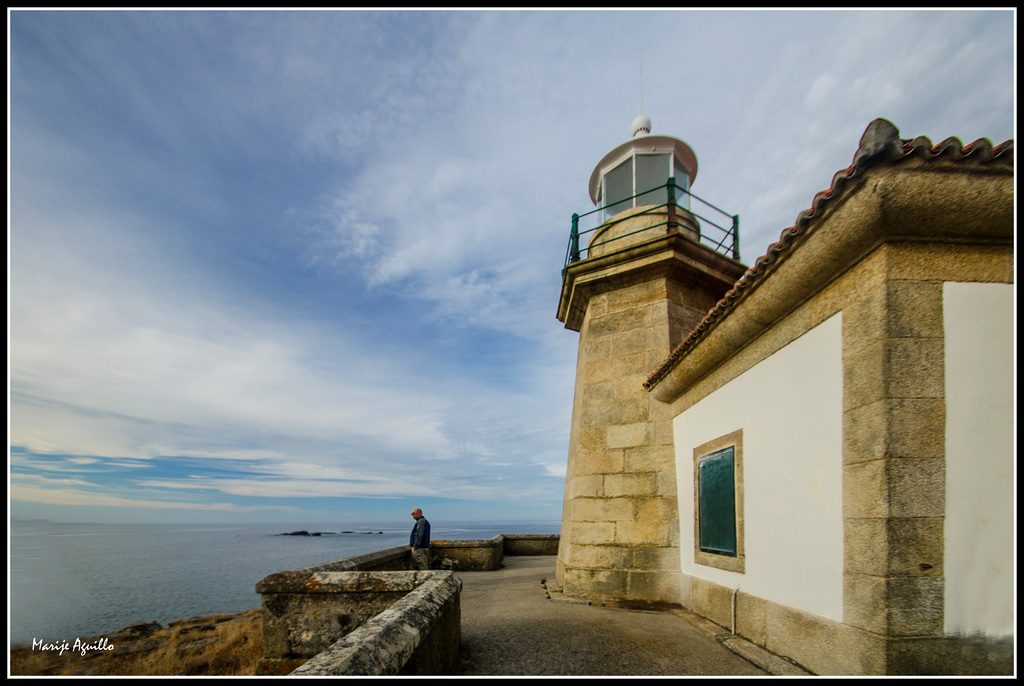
point(303, 532)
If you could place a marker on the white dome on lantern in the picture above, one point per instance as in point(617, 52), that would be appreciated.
point(641, 125)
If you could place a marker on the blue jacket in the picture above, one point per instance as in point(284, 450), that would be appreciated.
point(420, 536)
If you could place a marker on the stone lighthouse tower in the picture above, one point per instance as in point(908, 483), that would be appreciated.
point(633, 287)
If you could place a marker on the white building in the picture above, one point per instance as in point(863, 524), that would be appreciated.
point(842, 424)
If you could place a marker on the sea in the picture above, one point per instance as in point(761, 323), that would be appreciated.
point(72, 580)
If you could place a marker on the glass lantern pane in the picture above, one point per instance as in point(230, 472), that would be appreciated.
point(651, 171)
point(682, 185)
point(618, 187)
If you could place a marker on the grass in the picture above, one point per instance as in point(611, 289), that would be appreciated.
point(221, 645)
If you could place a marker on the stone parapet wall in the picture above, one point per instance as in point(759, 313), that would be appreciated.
point(368, 615)
point(305, 613)
point(397, 558)
point(418, 635)
point(531, 544)
point(469, 556)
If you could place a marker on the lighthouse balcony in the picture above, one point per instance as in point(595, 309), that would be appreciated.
point(710, 225)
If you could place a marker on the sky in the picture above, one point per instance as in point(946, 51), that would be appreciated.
point(304, 266)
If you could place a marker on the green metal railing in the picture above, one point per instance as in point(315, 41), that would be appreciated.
point(727, 244)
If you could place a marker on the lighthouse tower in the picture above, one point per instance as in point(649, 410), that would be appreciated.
point(633, 287)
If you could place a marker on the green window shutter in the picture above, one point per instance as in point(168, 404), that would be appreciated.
point(717, 497)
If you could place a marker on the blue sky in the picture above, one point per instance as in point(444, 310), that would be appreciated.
point(304, 266)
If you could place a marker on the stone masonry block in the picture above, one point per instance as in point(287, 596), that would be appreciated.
point(864, 376)
point(653, 559)
point(864, 602)
point(661, 312)
point(636, 296)
point(825, 647)
point(915, 368)
point(947, 262)
point(630, 485)
point(864, 320)
point(602, 509)
point(902, 487)
point(667, 484)
point(654, 587)
point(895, 428)
point(630, 389)
point(663, 433)
point(601, 557)
point(641, 533)
point(866, 546)
point(917, 427)
point(629, 435)
point(915, 606)
point(632, 342)
point(752, 617)
point(865, 490)
point(902, 606)
point(650, 458)
point(855, 285)
point(915, 309)
point(588, 486)
point(711, 600)
point(916, 546)
point(586, 583)
point(590, 462)
point(673, 533)
point(662, 508)
point(917, 487)
point(593, 533)
point(592, 437)
point(615, 367)
point(618, 410)
point(865, 432)
point(595, 349)
point(617, 322)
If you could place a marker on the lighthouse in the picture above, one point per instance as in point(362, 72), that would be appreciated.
point(642, 269)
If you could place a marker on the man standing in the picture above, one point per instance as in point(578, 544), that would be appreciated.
point(419, 540)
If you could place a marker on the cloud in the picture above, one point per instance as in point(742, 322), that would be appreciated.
point(303, 258)
point(67, 497)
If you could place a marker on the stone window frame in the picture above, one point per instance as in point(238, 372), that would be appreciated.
point(736, 564)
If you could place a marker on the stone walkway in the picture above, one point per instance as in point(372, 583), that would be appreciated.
point(510, 626)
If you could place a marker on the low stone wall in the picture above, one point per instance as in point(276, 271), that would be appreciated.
point(397, 558)
point(368, 615)
point(306, 612)
point(468, 556)
point(487, 555)
point(531, 544)
point(418, 635)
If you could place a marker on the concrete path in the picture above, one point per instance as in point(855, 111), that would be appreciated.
point(511, 627)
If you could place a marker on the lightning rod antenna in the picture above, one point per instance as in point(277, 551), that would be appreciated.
point(642, 124)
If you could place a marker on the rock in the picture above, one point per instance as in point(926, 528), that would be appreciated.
point(445, 563)
point(198, 627)
point(139, 647)
point(137, 630)
point(198, 643)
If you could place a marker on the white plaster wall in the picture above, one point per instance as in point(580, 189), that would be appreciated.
point(790, 408)
point(980, 506)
